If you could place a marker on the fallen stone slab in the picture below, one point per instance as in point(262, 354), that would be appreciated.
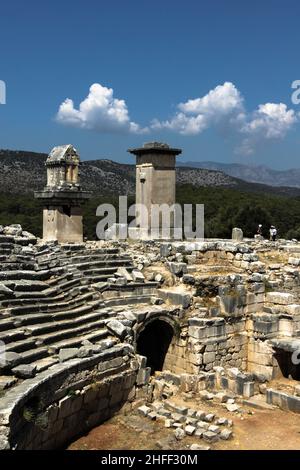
point(117, 328)
point(203, 425)
point(175, 298)
point(67, 353)
point(24, 371)
point(226, 434)
point(199, 447)
point(199, 432)
point(179, 434)
point(189, 430)
point(144, 410)
point(214, 428)
point(210, 436)
point(122, 272)
point(168, 423)
point(137, 276)
point(232, 407)
point(209, 417)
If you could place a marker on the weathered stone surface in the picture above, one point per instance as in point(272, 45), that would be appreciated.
point(189, 430)
point(237, 235)
point(5, 290)
point(117, 328)
point(13, 230)
point(179, 434)
point(281, 298)
point(123, 272)
point(6, 381)
point(232, 407)
point(210, 436)
point(199, 447)
point(226, 434)
point(24, 371)
point(68, 353)
point(10, 360)
point(137, 276)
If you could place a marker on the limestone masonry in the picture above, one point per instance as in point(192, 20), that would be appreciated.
point(104, 327)
point(63, 196)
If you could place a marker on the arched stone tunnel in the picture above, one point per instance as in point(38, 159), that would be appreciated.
point(154, 341)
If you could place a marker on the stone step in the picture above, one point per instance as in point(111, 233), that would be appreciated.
point(14, 334)
point(5, 251)
point(93, 279)
point(128, 300)
point(16, 266)
point(45, 363)
point(7, 239)
point(38, 318)
point(102, 263)
point(6, 324)
point(48, 307)
point(91, 257)
point(67, 285)
point(72, 332)
point(21, 346)
point(59, 279)
point(89, 307)
point(28, 275)
point(33, 355)
point(77, 341)
point(46, 294)
point(6, 244)
point(108, 270)
point(133, 288)
point(45, 299)
point(25, 285)
point(38, 329)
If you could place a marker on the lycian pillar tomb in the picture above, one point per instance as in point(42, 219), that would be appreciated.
point(155, 183)
point(63, 196)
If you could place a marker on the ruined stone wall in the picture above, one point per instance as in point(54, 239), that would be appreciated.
point(51, 409)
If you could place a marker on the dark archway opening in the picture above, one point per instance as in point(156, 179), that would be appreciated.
point(154, 342)
point(286, 366)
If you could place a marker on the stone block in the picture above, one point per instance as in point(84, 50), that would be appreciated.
point(189, 430)
point(210, 436)
point(226, 434)
point(67, 353)
point(117, 328)
point(280, 298)
point(24, 371)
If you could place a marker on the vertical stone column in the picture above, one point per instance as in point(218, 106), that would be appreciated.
point(155, 182)
point(63, 197)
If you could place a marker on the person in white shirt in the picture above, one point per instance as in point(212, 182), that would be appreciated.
point(273, 233)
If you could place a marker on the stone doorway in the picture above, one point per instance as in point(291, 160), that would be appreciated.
point(285, 366)
point(153, 342)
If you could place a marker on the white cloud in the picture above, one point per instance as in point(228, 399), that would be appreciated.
point(190, 125)
point(223, 108)
point(271, 119)
point(222, 100)
point(198, 114)
point(99, 111)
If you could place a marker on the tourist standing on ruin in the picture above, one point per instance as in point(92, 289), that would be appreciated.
point(259, 230)
point(273, 233)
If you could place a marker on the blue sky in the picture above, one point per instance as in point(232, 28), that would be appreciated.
point(212, 77)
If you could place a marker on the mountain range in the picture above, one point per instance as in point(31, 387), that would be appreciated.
point(22, 172)
point(254, 174)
